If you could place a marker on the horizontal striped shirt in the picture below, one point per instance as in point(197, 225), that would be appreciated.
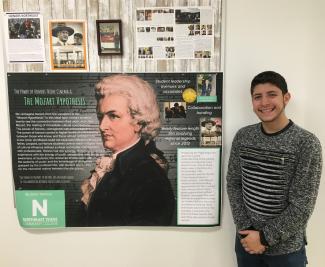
point(264, 184)
point(272, 183)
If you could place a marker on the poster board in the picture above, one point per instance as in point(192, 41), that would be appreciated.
point(24, 37)
point(56, 140)
point(175, 33)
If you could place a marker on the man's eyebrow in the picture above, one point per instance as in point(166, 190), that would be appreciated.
point(268, 92)
point(110, 111)
point(107, 112)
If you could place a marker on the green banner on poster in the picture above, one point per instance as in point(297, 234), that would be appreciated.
point(41, 208)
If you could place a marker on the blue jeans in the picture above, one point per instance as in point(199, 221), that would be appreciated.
point(244, 259)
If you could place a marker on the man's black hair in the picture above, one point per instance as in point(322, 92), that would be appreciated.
point(271, 77)
point(78, 35)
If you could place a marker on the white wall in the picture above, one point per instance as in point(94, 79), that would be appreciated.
point(284, 35)
point(314, 120)
point(289, 37)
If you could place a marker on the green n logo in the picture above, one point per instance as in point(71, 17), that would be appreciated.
point(38, 207)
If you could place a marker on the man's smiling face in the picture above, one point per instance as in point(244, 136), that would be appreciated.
point(269, 102)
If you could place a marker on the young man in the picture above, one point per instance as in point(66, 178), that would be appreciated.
point(272, 182)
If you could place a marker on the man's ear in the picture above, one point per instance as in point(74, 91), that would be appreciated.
point(139, 126)
point(286, 98)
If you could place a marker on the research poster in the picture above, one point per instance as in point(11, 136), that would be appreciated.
point(175, 33)
point(99, 150)
point(24, 37)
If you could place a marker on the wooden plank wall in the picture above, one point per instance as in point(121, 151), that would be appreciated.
point(91, 10)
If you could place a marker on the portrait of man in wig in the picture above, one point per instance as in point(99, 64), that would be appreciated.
point(129, 185)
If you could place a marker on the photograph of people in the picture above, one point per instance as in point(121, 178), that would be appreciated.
point(140, 15)
point(208, 130)
point(62, 32)
point(129, 186)
point(68, 48)
point(211, 131)
point(77, 37)
point(206, 87)
point(24, 28)
point(175, 110)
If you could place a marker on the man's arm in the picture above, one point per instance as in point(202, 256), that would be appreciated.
point(234, 187)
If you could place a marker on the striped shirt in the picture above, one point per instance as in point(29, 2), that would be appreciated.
point(272, 183)
point(263, 182)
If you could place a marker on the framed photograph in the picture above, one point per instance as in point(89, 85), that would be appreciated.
point(68, 45)
point(109, 37)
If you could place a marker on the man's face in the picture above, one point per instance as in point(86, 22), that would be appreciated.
point(116, 125)
point(208, 125)
point(63, 36)
point(269, 102)
point(77, 40)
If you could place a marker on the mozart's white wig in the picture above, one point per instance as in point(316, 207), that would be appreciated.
point(143, 106)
